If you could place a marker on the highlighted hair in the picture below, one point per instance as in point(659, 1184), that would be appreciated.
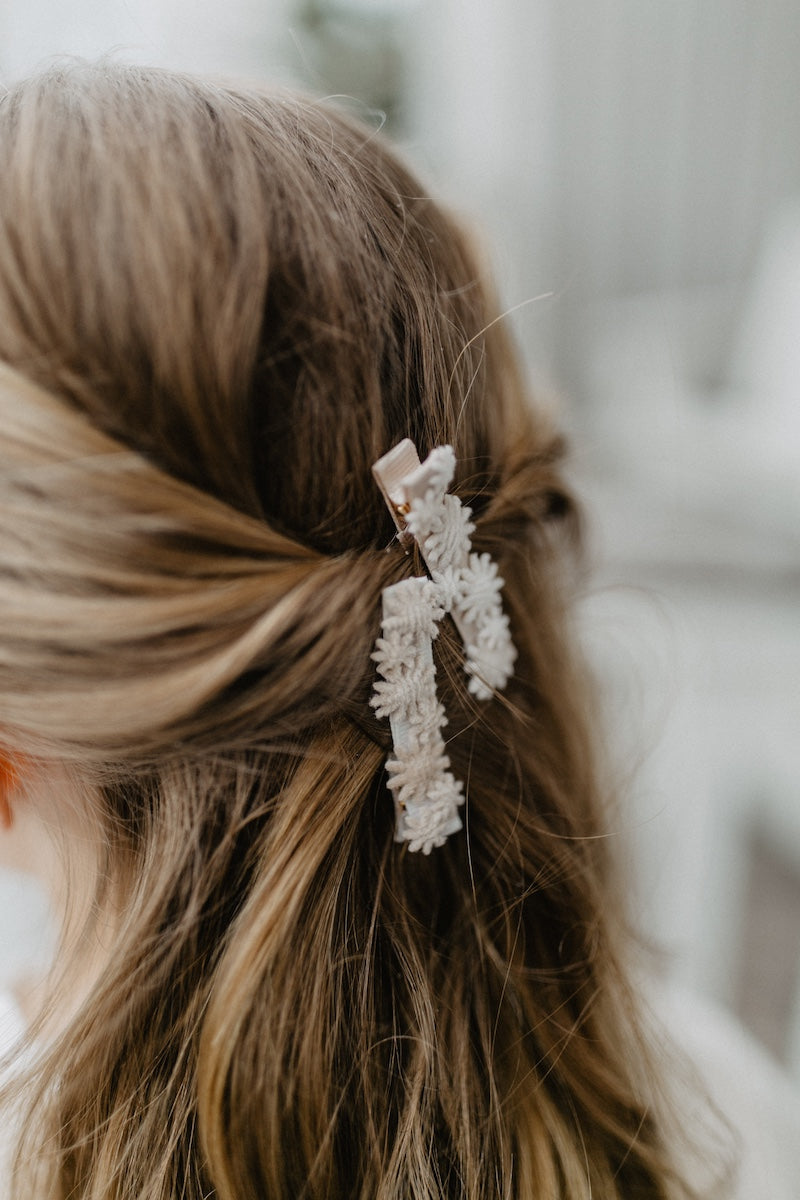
point(218, 306)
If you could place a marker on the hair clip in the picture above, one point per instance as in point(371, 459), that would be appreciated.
point(462, 583)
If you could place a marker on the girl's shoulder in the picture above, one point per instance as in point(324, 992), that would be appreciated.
point(718, 1061)
point(12, 1031)
point(12, 1026)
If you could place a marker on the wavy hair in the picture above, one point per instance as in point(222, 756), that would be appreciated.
point(218, 305)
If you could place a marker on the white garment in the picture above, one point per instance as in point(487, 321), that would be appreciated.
point(12, 1029)
point(759, 1102)
point(751, 1092)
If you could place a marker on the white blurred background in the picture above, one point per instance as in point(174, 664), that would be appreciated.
point(635, 168)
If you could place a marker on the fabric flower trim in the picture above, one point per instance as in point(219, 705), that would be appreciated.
point(466, 585)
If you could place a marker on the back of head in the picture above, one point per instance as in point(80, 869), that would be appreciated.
point(218, 306)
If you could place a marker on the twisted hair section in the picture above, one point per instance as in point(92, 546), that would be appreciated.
point(140, 599)
point(218, 306)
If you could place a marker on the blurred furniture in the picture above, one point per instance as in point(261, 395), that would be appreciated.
point(695, 623)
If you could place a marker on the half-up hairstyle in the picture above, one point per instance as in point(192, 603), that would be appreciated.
point(218, 306)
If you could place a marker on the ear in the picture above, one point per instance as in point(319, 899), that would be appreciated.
point(8, 781)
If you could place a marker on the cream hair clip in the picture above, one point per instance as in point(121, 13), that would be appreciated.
point(466, 585)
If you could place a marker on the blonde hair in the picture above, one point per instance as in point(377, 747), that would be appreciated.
point(218, 305)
